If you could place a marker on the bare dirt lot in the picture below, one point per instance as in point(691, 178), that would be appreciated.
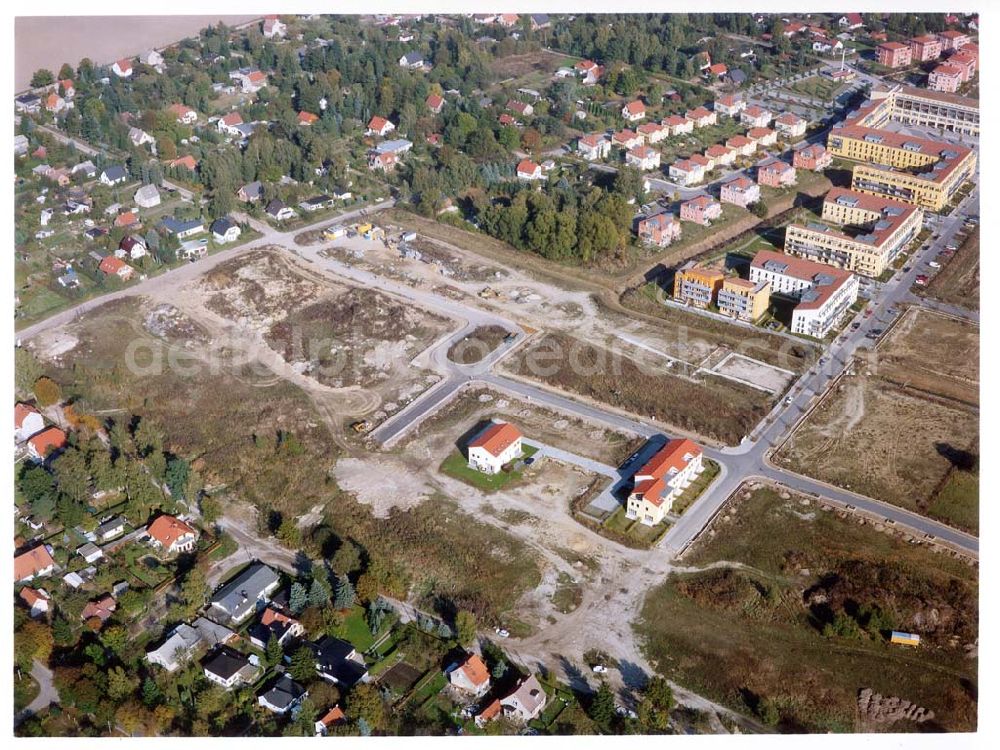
point(785, 612)
point(957, 283)
point(897, 431)
point(477, 345)
point(643, 384)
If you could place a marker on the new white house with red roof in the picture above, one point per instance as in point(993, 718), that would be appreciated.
point(662, 479)
point(172, 535)
point(494, 447)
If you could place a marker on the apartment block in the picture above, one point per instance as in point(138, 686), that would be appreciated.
point(702, 209)
point(824, 293)
point(864, 233)
point(697, 285)
point(812, 157)
point(894, 54)
point(740, 191)
point(924, 48)
point(744, 299)
point(910, 105)
point(775, 173)
point(945, 78)
point(658, 230)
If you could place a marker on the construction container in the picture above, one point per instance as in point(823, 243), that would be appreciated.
point(904, 639)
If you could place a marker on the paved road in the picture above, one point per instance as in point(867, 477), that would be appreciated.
point(47, 693)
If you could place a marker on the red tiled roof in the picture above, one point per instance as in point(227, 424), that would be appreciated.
point(21, 411)
point(334, 716)
point(671, 455)
point(233, 118)
point(491, 711)
point(307, 118)
point(496, 438)
point(30, 596)
point(377, 123)
point(166, 530)
point(185, 161)
point(527, 166)
point(434, 101)
point(31, 562)
point(49, 439)
point(475, 670)
point(635, 108)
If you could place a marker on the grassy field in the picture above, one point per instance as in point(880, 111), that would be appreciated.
point(903, 423)
point(457, 466)
point(957, 283)
point(774, 636)
point(817, 87)
point(698, 486)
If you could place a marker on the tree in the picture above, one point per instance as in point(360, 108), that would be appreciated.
point(116, 640)
point(39, 490)
point(319, 591)
point(274, 652)
point(120, 684)
point(33, 640)
point(297, 598)
point(465, 627)
point(344, 598)
point(602, 706)
point(654, 708)
point(365, 703)
point(210, 509)
point(47, 391)
point(27, 369)
point(347, 558)
point(289, 534)
point(499, 669)
point(759, 209)
point(194, 590)
point(303, 664)
point(177, 476)
point(65, 72)
point(151, 693)
point(42, 77)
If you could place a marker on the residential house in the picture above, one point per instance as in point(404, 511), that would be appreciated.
point(679, 125)
point(253, 81)
point(529, 170)
point(184, 639)
point(790, 125)
point(110, 529)
point(112, 266)
point(594, 146)
point(763, 136)
point(742, 145)
point(43, 444)
point(90, 552)
point(28, 104)
point(131, 246)
point(331, 718)
point(229, 124)
point(946, 78)
point(317, 202)
point(494, 447)
point(826, 46)
point(147, 196)
point(153, 59)
point(741, 191)
point(284, 695)
point(701, 117)
point(824, 293)
point(114, 175)
point(953, 40)
point(813, 157)
point(37, 600)
point(102, 609)
point(966, 61)
point(273, 28)
point(756, 117)
point(27, 421)
point(182, 228)
point(278, 211)
point(686, 172)
point(379, 126)
point(34, 563)
point(250, 192)
point(20, 145)
point(627, 139)
point(743, 299)
point(228, 667)
point(634, 111)
point(702, 209)
point(435, 103)
point(126, 220)
point(240, 597)
point(187, 162)
point(589, 71)
point(487, 713)
point(337, 661)
point(385, 162)
point(86, 167)
point(696, 284)
point(171, 535)
point(508, 20)
point(411, 60)
point(522, 108)
point(276, 624)
point(654, 132)
point(730, 104)
point(225, 230)
point(139, 137)
point(662, 480)
point(851, 21)
point(658, 230)
point(643, 157)
point(717, 70)
point(55, 103)
point(719, 155)
point(183, 114)
point(894, 54)
point(395, 146)
point(925, 48)
point(122, 68)
point(526, 701)
point(471, 676)
point(540, 21)
point(775, 173)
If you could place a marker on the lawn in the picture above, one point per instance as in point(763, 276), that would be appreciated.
point(636, 533)
point(457, 466)
point(957, 502)
point(354, 629)
point(698, 486)
point(758, 635)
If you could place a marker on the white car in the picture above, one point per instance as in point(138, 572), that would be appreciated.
point(502, 633)
point(600, 668)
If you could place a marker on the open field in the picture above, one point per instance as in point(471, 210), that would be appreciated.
point(792, 626)
point(957, 283)
point(477, 345)
point(643, 384)
point(895, 431)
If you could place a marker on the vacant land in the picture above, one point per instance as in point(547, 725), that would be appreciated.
point(793, 625)
point(957, 283)
point(817, 87)
point(477, 345)
point(896, 430)
point(642, 384)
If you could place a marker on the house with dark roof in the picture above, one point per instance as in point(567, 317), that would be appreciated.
point(228, 667)
point(337, 661)
point(114, 175)
point(225, 230)
point(240, 597)
point(284, 695)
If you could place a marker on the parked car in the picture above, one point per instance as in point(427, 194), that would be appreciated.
point(600, 668)
point(502, 633)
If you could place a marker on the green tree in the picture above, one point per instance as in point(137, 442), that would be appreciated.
point(297, 597)
point(177, 474)
point(465, 627)
point(602, 706)
point(42, 77)
point(120, 684)
point(39, 490)
point(365, 702)
point(274, 652)
point(347, 558)
point(47, 391)
point(303, 664)
point(319, 591)
point(27, 369)
point(344, 598)
point(654, 708)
